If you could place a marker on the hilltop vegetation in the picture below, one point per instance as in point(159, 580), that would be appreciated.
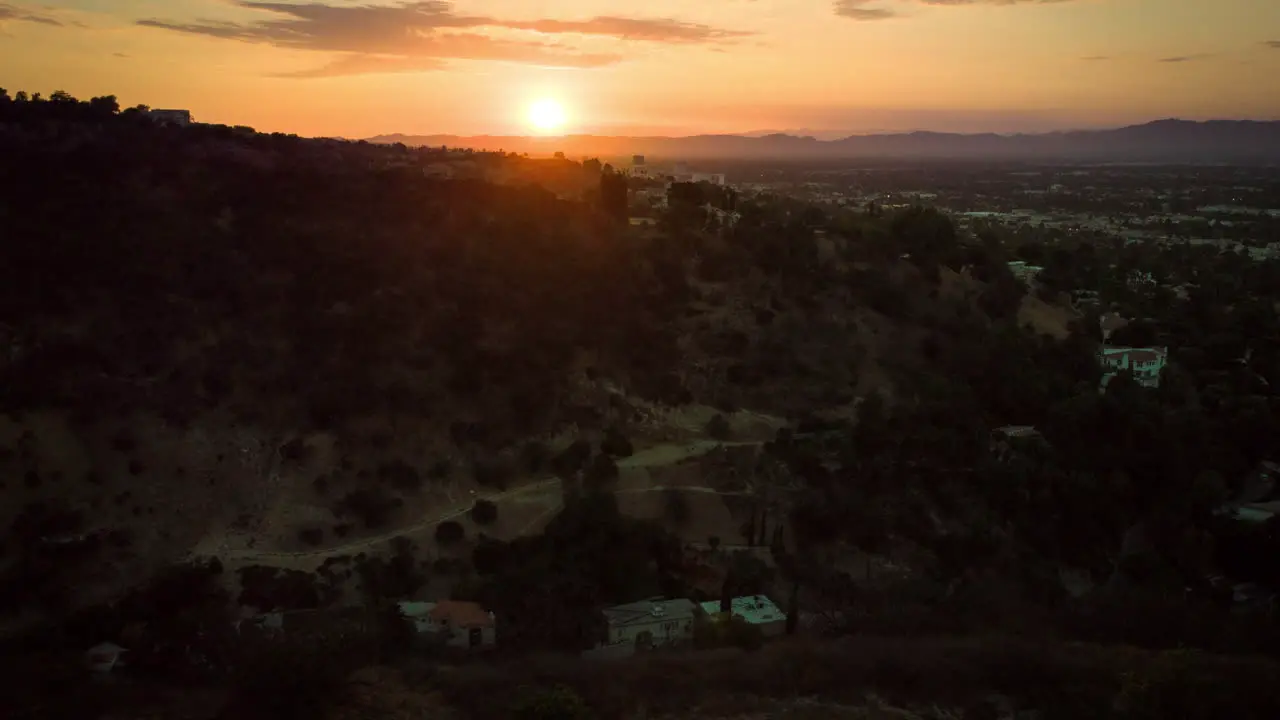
point(299, 359)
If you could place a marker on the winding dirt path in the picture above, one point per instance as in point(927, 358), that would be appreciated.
point(656, 456)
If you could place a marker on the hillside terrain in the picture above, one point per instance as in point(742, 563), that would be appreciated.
point(248, 373)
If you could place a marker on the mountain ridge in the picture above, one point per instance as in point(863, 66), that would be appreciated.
point(1166, 140)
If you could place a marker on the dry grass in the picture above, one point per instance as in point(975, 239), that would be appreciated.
point(1046, 319)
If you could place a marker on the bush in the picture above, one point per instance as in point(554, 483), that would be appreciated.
point(534, 455)
point(374, 508)
point(601, 473)
point(484, 512)
point(572, 459)
point(556, 703)
point(616, 444)
point(675, 507)
point(493, 473)
point(449, 533)
point(718, 428)
point(311, 536)
point(400, 475)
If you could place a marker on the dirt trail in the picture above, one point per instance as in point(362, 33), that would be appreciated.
point(657, 456)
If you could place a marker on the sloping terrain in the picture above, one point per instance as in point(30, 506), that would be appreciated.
point(261, 350)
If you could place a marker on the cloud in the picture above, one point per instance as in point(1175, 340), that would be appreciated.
point(1275, 44)
point(12, 12)
point(1185, 58)
point(651, 30)
point(421, 35)
point(1094, 58)
point(876, 10)
point(858, 10)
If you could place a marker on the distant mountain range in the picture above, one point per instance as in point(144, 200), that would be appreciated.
point(1214, 141)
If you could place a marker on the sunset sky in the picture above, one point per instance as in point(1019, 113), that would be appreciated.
point(356, 68)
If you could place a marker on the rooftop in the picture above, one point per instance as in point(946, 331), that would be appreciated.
point(755, 609)
point(646, 611)
point(1017, 431)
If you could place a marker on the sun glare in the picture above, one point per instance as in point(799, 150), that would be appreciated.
point(546, 115)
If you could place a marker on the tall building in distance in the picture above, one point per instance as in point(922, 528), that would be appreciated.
point(638, 168)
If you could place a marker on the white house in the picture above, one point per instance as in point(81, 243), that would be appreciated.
point(756, 610)
point(171, 117)
point(457, 623)
point(104, 657)
point(1144, 363)
point(648, 623)
point(1024, 272)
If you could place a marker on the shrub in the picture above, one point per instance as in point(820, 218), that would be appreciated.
point(493, 473)
point(616, 444)
point(718, 428)
point(572, 459)
point(675, 507)
point(440, 469)
point(374, 508)
point(449, 533)
point(601, 473)
point(555, 703)
point(484, 512)
point(294, 450)
point(400, 475)
point(311, 536)
point(534, 455)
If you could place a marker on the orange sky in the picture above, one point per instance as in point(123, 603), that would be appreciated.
point(356, 68)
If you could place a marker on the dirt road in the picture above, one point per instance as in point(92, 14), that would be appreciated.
point(657, 456)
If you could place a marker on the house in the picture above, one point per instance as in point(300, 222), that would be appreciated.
point(104, 657)
point(170, 117)
point(1144, 363)
point(648, 623)
point(456, 623)
point(756, 610)
point(1024, 272)
point(1005, 439)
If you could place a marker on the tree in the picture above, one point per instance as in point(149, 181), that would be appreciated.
point(449, 533)
point(613, 195)
point(675, 506)
point(616, 444)
point(484, 512)
point(602, 472)
point(718, 428)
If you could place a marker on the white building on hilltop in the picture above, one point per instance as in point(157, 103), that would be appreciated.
point(170, 117)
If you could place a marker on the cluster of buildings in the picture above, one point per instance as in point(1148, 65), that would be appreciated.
point(660, 622)
point(680, 172)
point(642, 625)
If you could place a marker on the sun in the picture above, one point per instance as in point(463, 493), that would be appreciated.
point(546, 115)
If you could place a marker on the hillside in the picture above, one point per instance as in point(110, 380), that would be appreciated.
point(248, 373)
point(246, 347)
point(1165, 141)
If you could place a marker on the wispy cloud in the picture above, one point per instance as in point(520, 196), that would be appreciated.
point(859, 10)
point(1186, 58)
point(13, 12)
point(1096, 58)
point(884, 9)
point(1275, 44)
point(423, 35)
